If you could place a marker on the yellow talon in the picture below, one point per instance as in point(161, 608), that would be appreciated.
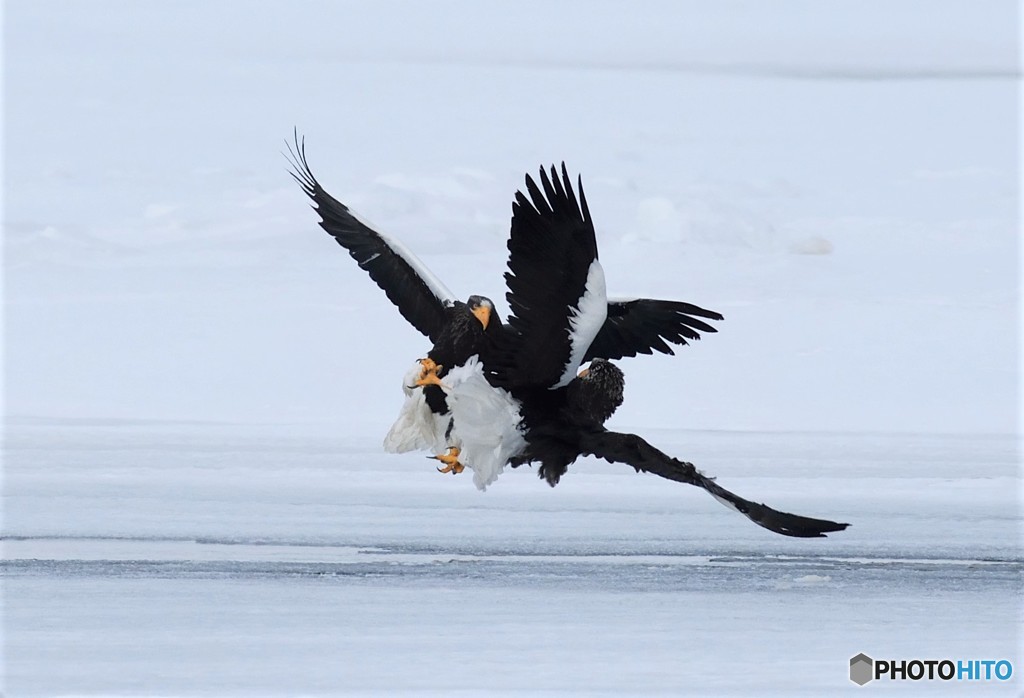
point(428, 376)
point(429, 379)
point(451, 461)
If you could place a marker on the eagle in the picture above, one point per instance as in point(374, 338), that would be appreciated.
point(513, 393)
point(561, 428)
point(556, 306)
point(461, 331)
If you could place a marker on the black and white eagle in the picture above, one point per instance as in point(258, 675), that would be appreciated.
point(556, 292)
point(513, 393)
point(468, 336)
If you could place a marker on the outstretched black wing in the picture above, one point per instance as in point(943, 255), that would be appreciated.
point(634, 451)
point(641, 325)
point(420, 296)
point(555, 284)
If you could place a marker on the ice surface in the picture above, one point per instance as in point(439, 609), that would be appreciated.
point(178, 559)
point(198, 379)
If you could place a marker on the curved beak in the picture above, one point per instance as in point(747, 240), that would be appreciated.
point(584, 373)
point(483, 314)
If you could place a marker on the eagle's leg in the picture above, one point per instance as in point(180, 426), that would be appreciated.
point(451, 461)
point(428, 376)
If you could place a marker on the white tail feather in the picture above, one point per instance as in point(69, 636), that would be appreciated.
point(485, 429)
point(486, 422)
point(416, 428)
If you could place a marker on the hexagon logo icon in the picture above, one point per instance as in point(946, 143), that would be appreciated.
point(862, 669)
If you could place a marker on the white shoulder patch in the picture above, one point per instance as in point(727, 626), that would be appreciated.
point(586, 321)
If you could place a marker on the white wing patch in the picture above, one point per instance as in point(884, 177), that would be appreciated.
point(586, 321)
point(435, 285)
point(726, 502)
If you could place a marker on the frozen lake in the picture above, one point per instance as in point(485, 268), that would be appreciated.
point(151, 558)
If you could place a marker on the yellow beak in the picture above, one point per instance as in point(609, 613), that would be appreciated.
point(483, 314)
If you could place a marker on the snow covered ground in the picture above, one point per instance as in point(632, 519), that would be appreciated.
point(197, 379)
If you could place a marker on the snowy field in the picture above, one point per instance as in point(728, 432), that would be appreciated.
point(195, 501)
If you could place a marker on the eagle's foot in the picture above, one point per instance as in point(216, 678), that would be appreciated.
point(451, 461)
point(428, 376)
